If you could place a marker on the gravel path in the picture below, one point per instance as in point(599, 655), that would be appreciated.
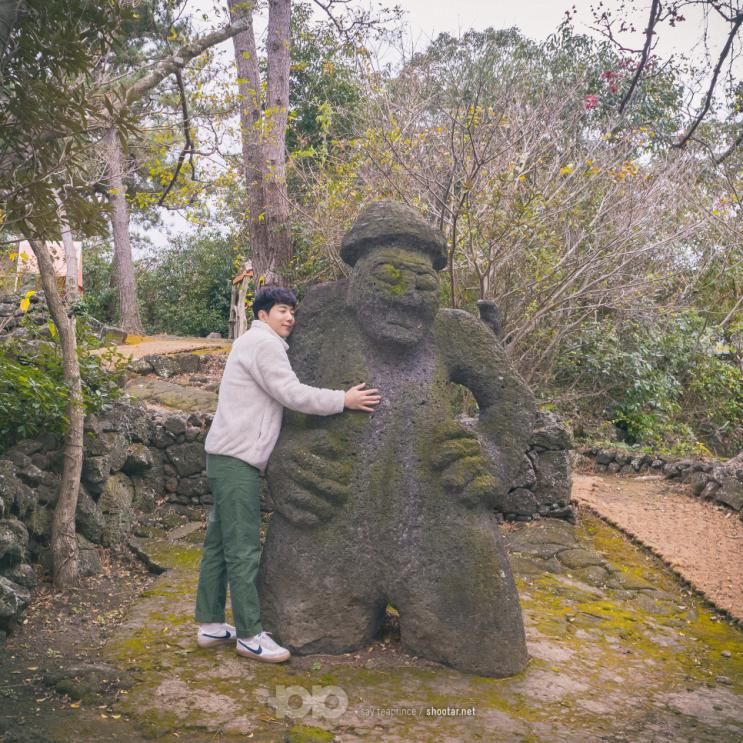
point(701, 542)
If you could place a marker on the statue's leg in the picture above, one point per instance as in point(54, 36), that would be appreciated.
point(457, 599)
point(315, 593)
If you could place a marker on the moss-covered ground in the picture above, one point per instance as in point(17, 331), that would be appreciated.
point(619, 650)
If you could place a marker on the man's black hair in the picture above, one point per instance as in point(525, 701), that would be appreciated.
point(267, 297)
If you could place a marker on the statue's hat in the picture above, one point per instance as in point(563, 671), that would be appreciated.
point(389, 222)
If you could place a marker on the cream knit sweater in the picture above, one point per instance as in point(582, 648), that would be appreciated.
point(258, 383)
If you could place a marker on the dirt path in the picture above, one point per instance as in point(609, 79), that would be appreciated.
point(701, 542)
point(172, 344)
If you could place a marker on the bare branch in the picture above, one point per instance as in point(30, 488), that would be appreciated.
point(711, 89)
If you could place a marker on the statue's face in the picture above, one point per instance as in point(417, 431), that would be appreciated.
point(395, 293)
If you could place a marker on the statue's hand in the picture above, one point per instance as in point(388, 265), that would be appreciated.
point(309, 478)
point(465, 472)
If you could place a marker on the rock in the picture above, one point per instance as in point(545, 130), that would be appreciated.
point(554, 480)
point(188, 458)
point(171, 395)
point(90, 560)
point(148, 487)
point(87, 682)
point(28, 446)
point(189, 363)
point(731, 494)
point(613, 467)
point(140, 366)
point(193, 486)
point(165, 365)
point(672, 469)
point(39, 522)
point(138, 459)
point(605, 457)
point(214, 335)
point(115, 504)
point(709, 490)
point(580, 558)
point(110, 444)
point(23, 574)
point(526, 477)
point(40, 460)
point(551, 433)
point(131, 419)
point(698, 481)
point(13, 601)
point(518, 502)
point(111, 334)
point(13, 542)
point(96, 469)
point(175, 424)
point(18, 497)
point(88, 517)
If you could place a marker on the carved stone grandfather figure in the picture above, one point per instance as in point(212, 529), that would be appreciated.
point(396, 508)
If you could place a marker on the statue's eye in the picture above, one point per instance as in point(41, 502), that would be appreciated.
point(388, 273)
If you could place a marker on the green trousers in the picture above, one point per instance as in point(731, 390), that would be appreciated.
point(232, 548)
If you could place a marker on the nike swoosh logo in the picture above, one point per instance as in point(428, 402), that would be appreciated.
point(257, 650)
point(225, 636)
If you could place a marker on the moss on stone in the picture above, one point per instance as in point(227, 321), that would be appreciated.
point(307, 734)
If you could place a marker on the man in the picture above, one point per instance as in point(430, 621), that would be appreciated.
point(258, 383)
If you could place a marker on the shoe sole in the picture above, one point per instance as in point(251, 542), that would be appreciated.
point(263, 658)
point(212, 642)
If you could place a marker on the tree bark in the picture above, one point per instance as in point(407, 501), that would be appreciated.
point(123, 264)
point(263, 139)
point(65, 550)
point(277, 199)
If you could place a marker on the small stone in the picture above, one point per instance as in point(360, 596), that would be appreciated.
point(726, 654)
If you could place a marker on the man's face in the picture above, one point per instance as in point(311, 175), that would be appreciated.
point(280, 319)
point(395, 292)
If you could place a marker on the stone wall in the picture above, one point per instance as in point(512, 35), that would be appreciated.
point(542, 487)
point(720, 482)
point(134, 458)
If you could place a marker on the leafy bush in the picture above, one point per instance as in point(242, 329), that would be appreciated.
point(662, 385)
point(185, 288)
point(33, 395)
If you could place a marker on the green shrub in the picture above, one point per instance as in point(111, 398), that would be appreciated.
point(185, 289)
point(33, 395)
point(662, 384)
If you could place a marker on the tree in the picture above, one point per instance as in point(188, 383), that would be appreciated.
point(45, 113)
point(52, 109)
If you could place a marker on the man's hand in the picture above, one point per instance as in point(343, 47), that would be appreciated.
point(357, 398)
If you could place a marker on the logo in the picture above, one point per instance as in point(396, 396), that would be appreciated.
point(297, 702)
point(257, 650)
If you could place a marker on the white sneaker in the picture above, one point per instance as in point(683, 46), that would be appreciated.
point(210, 636)
point(262, 647)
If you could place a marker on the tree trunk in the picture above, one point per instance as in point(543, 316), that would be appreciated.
point(123, 262)
point(65, 551)
point(263, 142)
point(277, 198)
point(69, 252)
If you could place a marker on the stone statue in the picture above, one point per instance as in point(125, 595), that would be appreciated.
point(396, 508)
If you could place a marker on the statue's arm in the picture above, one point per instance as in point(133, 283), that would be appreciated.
point(476, 359)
